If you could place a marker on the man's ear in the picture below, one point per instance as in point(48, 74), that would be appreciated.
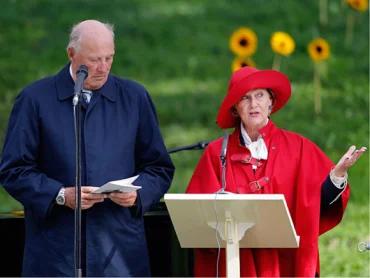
point(71, 53)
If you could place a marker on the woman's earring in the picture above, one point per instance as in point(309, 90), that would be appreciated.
point(270, 107)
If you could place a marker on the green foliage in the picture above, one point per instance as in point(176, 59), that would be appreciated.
point(179, 50)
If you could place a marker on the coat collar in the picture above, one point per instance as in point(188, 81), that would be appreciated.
point(267, 132)
point(65, 86)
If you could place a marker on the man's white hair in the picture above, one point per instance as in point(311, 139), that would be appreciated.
point(76, 35)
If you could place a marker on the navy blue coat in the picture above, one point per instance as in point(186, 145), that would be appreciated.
point(121, 139)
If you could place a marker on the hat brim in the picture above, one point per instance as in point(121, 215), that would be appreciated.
point(276, 81)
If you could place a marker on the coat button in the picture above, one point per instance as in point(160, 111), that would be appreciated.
point(273, 147)
point(266, 179)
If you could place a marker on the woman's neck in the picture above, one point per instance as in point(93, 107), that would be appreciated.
point(253, 134)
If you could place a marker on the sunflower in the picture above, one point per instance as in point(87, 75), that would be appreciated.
point(359, 5)
point(282, 43)
point(319, 50)
point(240, 62)
point(243, 42)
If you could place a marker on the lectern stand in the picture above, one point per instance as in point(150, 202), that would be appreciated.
point(241, 221)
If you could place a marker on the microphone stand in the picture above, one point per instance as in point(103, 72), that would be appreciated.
point(77, 113)
point(197, 146)
point(203, 145)
point(223, 164)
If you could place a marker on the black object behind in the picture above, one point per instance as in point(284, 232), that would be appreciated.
point(167, 258)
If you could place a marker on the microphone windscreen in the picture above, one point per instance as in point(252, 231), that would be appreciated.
point(83, 70)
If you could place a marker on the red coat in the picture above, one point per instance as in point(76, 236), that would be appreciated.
point(296, 167)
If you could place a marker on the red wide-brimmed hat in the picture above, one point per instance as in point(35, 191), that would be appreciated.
point(246, 79)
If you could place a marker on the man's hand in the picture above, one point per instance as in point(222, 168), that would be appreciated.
point(123, 199)
point(88, 199)
point(348, 159)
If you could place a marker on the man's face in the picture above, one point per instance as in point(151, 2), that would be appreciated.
point(97, 55)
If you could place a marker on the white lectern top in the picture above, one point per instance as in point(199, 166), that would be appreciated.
point(260, 220)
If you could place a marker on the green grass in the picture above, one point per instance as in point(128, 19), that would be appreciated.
point(178, 49)
point(338, 247)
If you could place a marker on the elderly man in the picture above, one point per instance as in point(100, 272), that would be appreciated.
point(120, 139)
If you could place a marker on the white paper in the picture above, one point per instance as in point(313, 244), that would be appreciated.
point(118, 186)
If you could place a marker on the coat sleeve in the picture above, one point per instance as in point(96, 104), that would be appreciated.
point(19, 173)
point(329, 194)
point(152, 161)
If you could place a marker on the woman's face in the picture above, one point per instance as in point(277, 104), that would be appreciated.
point(253, 108)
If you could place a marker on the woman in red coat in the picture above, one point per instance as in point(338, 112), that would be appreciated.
point(264, 159)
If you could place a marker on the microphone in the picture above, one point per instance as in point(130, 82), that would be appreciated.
point(81, 75)
point(223, 162)
point(224, 147)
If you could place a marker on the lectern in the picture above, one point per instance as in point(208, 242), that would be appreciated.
point(240, 220)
